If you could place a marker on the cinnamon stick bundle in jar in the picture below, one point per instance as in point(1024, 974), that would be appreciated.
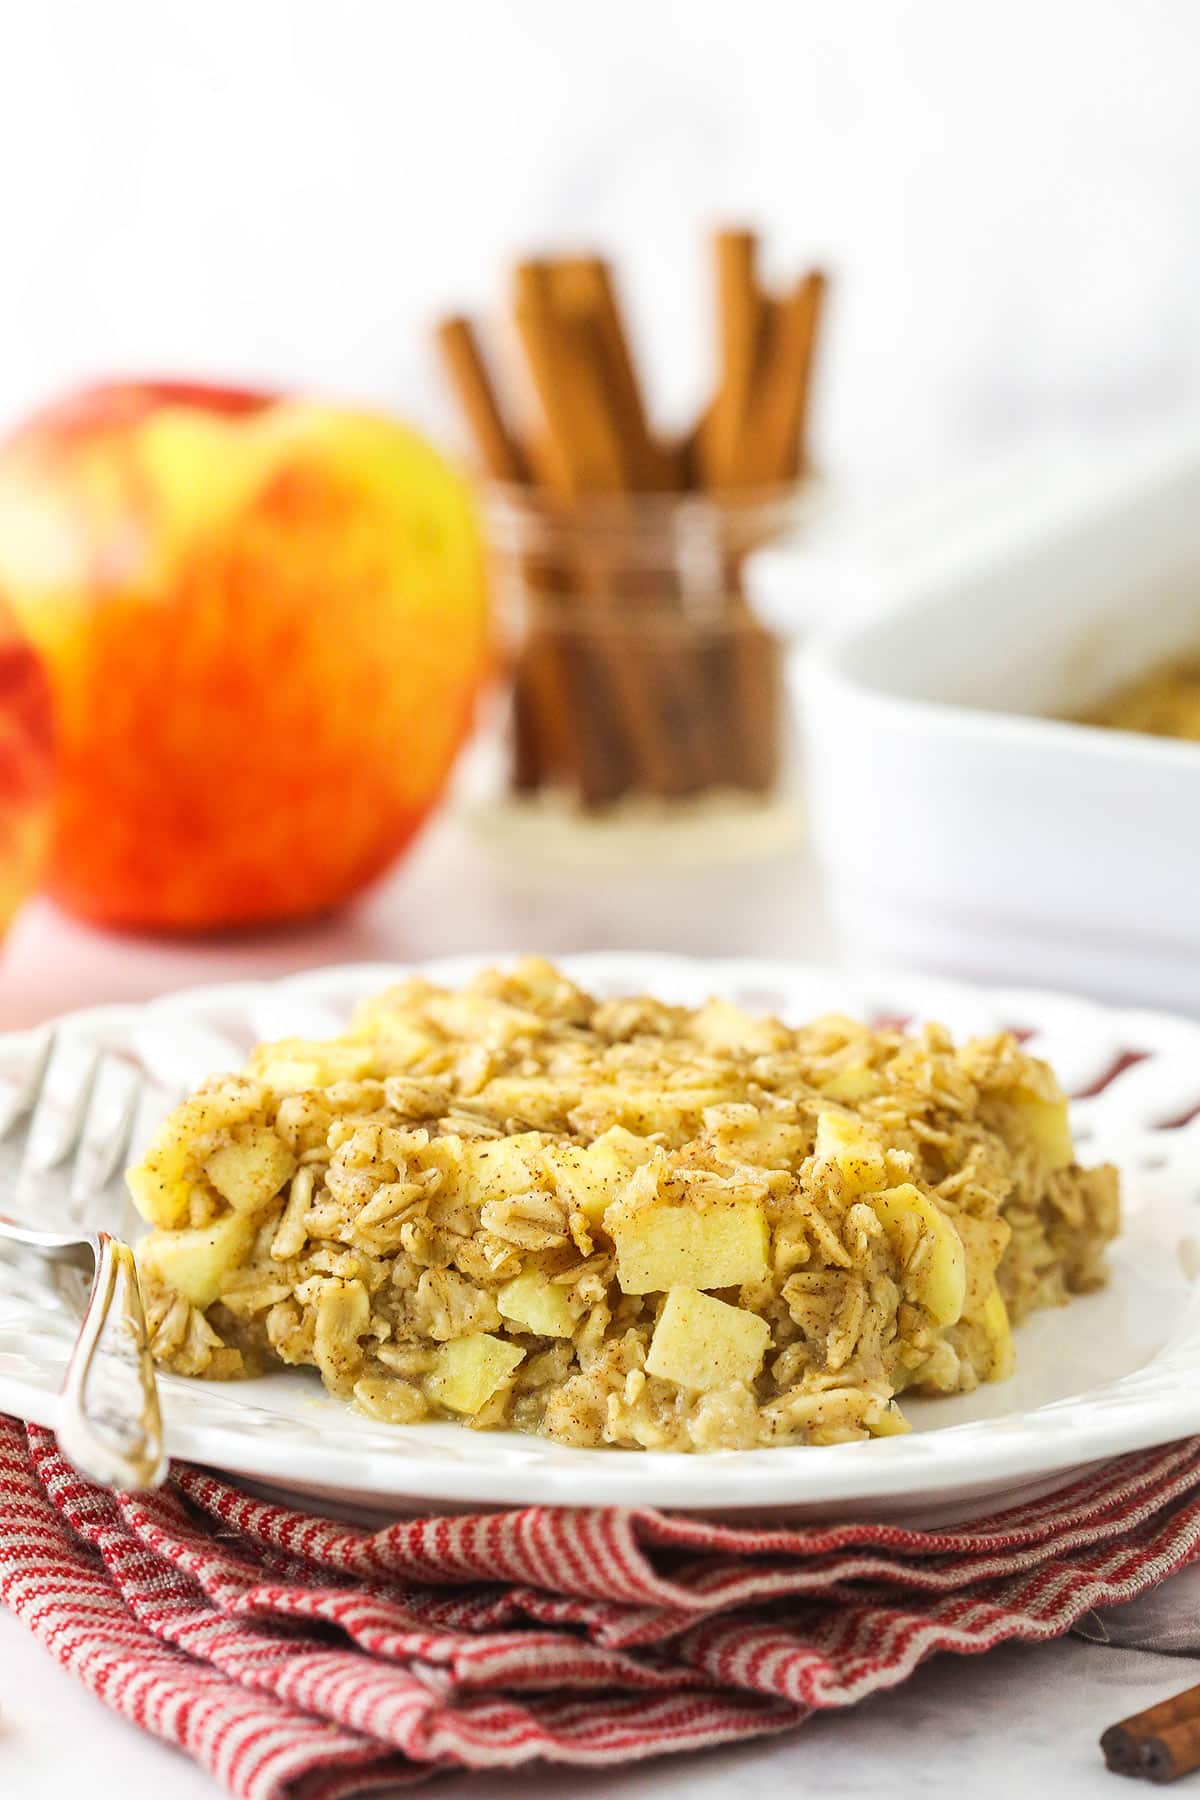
point(639, 667)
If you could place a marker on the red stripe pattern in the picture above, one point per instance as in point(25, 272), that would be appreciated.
point(289, 1654)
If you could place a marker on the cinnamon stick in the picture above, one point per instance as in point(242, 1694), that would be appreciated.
point(585, 285)
point(566, 360)
point(565, 355)
point(740, 313)
point(544, 739)
point(533, 297)
point(772, 456)
point(599, 767)
point(565, 457)
point(816, 285)
point(672, 673)
point(504, 460)
point(779, 405)
point(743, 662)
point(1161, 1743)
point(499, 450)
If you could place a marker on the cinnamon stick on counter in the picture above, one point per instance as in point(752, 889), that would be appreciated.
point(1159, 1744)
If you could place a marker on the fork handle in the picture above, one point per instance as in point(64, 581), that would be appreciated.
point(109, 1420)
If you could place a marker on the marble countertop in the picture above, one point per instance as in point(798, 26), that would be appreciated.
point(1016, 1719)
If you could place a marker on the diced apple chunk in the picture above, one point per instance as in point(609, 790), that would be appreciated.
point(853, 1084)
point(984, 1242)
point(195, 1262)
point(499, 1168)
point(998, 1332)
point(701, 1343)
point(765, 1141)
point(468, 1370)
point(854, 1150)
point(482, 1016)
point(712, 1244)
point(887, 1421)
point(397, 1044)
point(591, 1177)
point(158, 1184)
point(537, 1305)
point(250, 1169)
point(161, 1184)
point(675, 1110)
point(294, 1064)
point(719, 1025)
point(940, 1282)
point(1048, 1125)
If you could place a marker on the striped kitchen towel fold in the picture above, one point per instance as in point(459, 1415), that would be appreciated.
point(294, 1656)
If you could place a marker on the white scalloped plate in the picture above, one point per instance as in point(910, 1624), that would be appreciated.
point(1113, 1372)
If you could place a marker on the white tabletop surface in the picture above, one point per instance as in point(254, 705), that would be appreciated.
point(1016, 1720)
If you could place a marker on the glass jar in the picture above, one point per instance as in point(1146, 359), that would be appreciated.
point(644, 687)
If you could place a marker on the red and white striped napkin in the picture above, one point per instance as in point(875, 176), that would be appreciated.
point(289, 1654)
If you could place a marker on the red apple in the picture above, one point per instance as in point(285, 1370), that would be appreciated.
point(265, 623)
point(26, 768)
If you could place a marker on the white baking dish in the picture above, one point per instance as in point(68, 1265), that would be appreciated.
point(963, 826)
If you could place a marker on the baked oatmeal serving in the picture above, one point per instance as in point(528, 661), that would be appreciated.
point(1165, 702)
point(618, 1222)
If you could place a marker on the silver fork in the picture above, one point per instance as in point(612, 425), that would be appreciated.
point(65, 1139)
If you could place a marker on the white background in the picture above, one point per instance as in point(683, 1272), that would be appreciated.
point(289, 190)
